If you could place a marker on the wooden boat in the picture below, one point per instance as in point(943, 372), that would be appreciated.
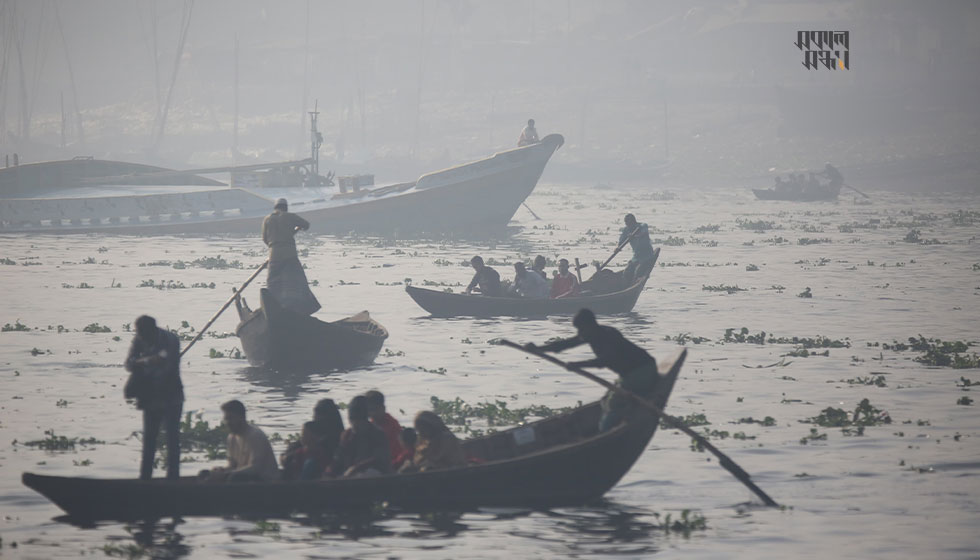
point(276, 338)
point(469, 198)
point(445, 304)
point(824, 193)
point(555, 462)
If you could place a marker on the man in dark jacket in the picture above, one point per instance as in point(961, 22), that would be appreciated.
point(154, 358)
point(636, 368)
point(486, 278)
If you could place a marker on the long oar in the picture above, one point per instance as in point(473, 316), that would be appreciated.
point(725, 460)
point(223, 307)
point(857, 191)
point(616, 252)
point(536, 217)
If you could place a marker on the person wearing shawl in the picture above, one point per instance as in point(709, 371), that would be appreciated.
point(287, 281)
point(437, 447)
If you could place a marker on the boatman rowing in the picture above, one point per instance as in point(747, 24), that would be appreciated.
point(636, 368)
point(287, 281)
point(643, 255)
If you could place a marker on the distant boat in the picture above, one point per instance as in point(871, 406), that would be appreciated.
point(810, 193)
point(472, 197)
point(555, 462)
point(274, 337)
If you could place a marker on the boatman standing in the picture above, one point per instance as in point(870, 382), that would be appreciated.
point(637, 370)
point(154, 361)
point(643, 254)
point(529, 135)
point(287, 281)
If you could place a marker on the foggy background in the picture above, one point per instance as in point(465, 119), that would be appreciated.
point(706, 93)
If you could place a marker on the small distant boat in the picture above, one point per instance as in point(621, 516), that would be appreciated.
point(822, 192)
point(555, 462)
point(444, 304)
point(276, 338)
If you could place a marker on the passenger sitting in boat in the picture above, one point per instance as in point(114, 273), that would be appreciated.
point(486, 278)
point(408, 438)
point(529, 135)
point(637, 370)
point(643, 256)
point(327, 416)
point(832, 173)
point(311, 459)
point(528, 284)
point(437, 447)
point(286, 279)
point(363, 449)
point(250, 456)
point(539, 263)
point(565, 283)
point(380, 418)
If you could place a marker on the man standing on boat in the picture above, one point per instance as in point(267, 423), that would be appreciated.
point(636, 368)
point(286, 279)
point(644, 257)
point(529, 135)
point(154, 361)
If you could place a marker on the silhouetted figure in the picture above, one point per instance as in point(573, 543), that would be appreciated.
point(643, 255)
point(486, 278)
point(529, 135)
point(637, 370)
point(287, 280)
point(154, 359)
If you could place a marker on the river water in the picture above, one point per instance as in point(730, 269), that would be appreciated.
point(908, 489)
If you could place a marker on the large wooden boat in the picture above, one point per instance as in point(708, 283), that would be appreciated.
point(558, 461)
point(445, 304)
point(468, 198)
point(276, 338)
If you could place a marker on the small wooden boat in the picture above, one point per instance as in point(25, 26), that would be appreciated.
point(444, 304)
point(555, 462)
point(276, 338)
point(824, 193)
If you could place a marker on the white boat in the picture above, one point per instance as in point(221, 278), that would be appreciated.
point(472, 197)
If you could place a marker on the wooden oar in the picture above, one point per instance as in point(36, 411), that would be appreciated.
point(674, 422)
point(223, 307)
point(616, 252)
point(536, 217)
point(857, 191)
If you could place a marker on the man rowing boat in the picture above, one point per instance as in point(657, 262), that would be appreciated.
point(636, 368)
point(643, 259)
point(286, 279)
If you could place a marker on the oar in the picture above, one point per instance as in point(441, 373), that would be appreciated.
point(536, 217)
point(616, 252)
point(725, 460)
point(578, 270)
point(857, 191)
point(223, 307)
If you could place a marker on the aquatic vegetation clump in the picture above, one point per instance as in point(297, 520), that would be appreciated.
point(197, 436)
point(937, 352)
point(865, 414)
point(16, 327)
point(54, 442)
point(758, 226)
point(457, 412)
point(684, 338)
point(723, 288)
point(96, 328)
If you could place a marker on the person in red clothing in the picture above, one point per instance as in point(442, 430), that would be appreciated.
point(380, 418)
point(565, 283)
point(408, 438)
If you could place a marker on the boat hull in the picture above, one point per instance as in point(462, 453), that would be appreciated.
point(559, 461)
point(442, 304)
point(466, 199)
point(276, 338)
point(824, 194)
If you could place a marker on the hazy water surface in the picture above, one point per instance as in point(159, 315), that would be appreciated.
point(909, 489)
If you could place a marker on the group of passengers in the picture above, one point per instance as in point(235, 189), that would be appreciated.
point(530, 283)
point(374, 443)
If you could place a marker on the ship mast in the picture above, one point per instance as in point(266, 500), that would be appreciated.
point(316, 140)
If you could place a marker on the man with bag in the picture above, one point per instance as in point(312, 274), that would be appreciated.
point(154, 382)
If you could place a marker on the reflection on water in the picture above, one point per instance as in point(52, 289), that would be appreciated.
point(292, 384)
